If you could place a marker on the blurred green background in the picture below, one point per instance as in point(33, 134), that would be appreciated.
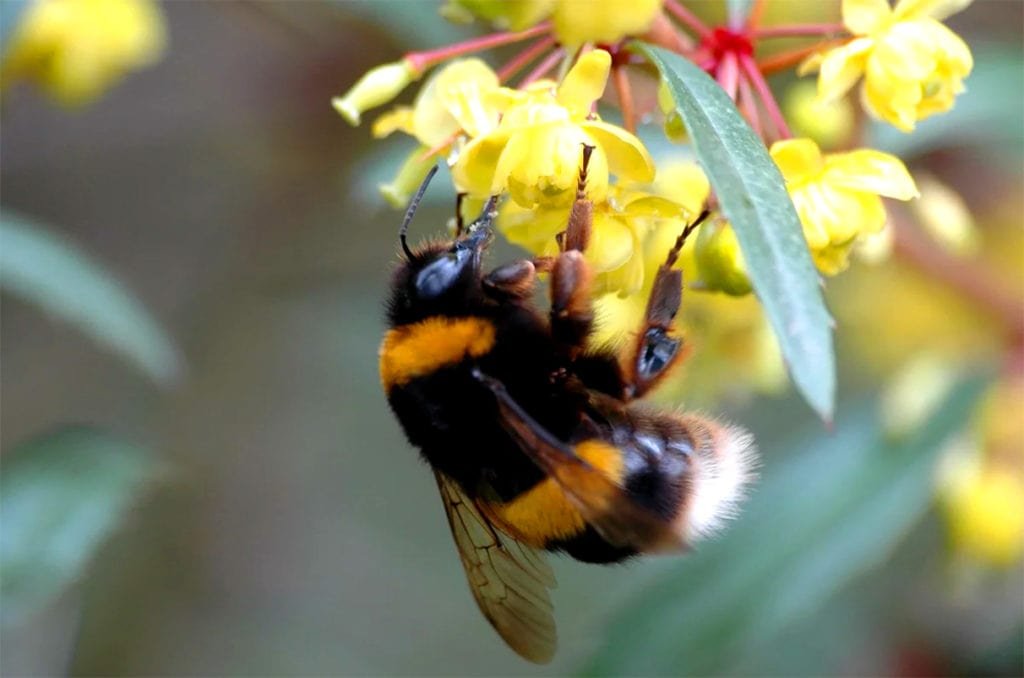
point(266, 515)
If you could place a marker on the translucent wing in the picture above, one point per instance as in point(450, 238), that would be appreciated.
point(508, 579)
point(604, 504)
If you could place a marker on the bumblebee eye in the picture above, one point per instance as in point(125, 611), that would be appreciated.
point(438, 276)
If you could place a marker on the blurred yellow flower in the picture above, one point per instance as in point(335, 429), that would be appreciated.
point(837, 195)
point(576, 22)
point(76, 49)
point(983, 503)
point(603, 22)
point(913, 66)
point(829, 123)
point(535, 151)
point(944, 215)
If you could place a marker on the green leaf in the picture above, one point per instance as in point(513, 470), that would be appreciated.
point(753, 197)
point(49, 272)
point(60, 496)
point(834, 509)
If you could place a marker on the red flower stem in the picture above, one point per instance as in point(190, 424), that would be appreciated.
point(421, 61)
point(625, 93)
point(728, 74)
point(747, 104)
point(687, 18)
point(798, 30)
point(519, 61)
point(544, 67)
point(786, 60)
point(771, 106)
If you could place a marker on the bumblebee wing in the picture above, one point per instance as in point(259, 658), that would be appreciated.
point(508, 579)
point(602, 502)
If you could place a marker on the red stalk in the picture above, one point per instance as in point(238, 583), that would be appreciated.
point(687, 18)
point(771, 106)
point(519, 61)
point(421, 61)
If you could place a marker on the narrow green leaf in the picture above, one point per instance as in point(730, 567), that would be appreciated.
point(831, 511)
point(60, 496)
point(753, 196)
point(49, 272)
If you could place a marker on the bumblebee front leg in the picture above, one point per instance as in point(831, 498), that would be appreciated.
point(572, 315)
point(656, 349)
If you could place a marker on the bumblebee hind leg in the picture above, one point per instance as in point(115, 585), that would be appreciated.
point(657, 349)
point(572, 314)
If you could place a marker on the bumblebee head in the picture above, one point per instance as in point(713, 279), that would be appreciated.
point(440, 278)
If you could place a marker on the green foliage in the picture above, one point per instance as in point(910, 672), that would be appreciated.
point(754, 198)
point(837, 507)
point(47, 271)
point(60, 496)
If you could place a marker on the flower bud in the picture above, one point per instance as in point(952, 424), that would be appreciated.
point(719, 259)
point(410, 175)
point(379, 86)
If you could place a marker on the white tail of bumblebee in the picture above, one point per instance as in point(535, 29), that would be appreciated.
point(723, 465)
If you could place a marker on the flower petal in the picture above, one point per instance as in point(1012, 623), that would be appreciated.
point(864, 17)
point(584, 83)
point(841, 67)
point(627, 156)
point(873, 172)
point(474, 170)
point(799, 160)
point(611, 243)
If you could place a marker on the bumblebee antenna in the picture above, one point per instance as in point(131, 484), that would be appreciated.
point(411, 211)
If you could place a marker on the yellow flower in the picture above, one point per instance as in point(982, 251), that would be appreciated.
point(76, 49)
point(913, 66)
point(828, 123)
point(536, 150)
point(837, 195)
point(453, 102)
point(983, 503)
point(576, 22)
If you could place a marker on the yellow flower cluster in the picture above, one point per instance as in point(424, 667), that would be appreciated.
point(913, 66)
point(76, 49)
point(575, 22)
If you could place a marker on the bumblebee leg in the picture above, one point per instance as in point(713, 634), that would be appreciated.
point(460, 223)
point(515, 280)
point(656, 349)
point(572, 316)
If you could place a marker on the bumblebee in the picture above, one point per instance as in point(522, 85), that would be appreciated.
point(538, 441)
